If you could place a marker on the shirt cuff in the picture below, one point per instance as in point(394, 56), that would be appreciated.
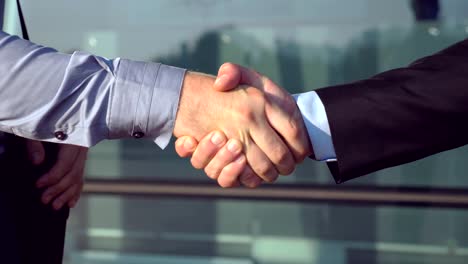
point(316, 122)
point(145, 99)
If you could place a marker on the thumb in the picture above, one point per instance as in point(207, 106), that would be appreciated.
point(229, 77)
point(36, 152)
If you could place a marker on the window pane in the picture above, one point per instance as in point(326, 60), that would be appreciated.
point(301, 44)
point(139, 230)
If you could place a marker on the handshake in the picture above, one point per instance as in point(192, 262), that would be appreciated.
point(241, 128)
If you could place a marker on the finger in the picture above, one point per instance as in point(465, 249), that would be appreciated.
point(207, 149)
point(72, 177)
point(233, 75)
point(65, 160)
point(80, 165)
point(66, 196)
point(229, 77)
point(36, 151)
point(74, 200)
point(249, 179)
point(83, 156)
point(229, 176)
point(285, 118)
point(260, 163)
point(64, 183)
point(274, 148)
point(185, 146)
point(282, 112)
point(227, 154)
point(72, 203)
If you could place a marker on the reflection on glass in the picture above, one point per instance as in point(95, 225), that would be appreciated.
point(301, 44)
point(181, 231)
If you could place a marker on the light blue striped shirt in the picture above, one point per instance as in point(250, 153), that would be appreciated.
point(87, 98)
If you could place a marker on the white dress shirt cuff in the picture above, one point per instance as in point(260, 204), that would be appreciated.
point(316, 122)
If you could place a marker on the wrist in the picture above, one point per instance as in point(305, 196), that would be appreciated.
point(193, 95)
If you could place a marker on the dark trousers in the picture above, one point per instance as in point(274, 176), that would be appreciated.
point(30, 232)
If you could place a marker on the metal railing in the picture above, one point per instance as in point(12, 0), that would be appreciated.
point(360, 195)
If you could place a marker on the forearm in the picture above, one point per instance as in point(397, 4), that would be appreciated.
point(86, 97)
point(401, 115)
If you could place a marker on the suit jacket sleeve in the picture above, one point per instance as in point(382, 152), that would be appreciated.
point(400, 115)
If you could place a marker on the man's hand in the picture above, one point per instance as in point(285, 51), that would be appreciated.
point(64, 182)
point(281, 112)
point(240, 115)
point(223, 164)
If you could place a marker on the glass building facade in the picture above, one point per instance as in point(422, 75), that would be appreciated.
point(303, 45)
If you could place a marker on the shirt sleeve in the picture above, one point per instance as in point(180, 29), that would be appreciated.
point(316, 122)
point(82, 99)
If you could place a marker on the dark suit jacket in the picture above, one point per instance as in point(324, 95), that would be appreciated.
point(400, 115)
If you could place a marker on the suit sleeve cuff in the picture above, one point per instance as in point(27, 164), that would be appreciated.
point(144, 102)
point(316, 122)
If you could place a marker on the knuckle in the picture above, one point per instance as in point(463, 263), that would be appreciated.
point(288, 169)
point(263, 168)
point(301, 154)
point(52, 191)
point(293, 131)
point(285, 163)
point(272, 177)
point(246, 113)
point(68, 180)
point(62, 185)
point(250, 180)
point(257, 95)
point(281, 156)
point(53, 178)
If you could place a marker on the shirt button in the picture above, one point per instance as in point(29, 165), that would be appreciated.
point(138, 134)
point(60, 135)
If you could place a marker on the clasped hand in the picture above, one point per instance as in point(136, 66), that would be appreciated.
point(63, 183)
point(241, 129)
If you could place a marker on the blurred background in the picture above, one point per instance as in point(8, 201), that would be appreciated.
point(303, 45)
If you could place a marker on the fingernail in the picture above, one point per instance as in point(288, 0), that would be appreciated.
point(188, 144)
point(216, 138)
point(233, 146)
